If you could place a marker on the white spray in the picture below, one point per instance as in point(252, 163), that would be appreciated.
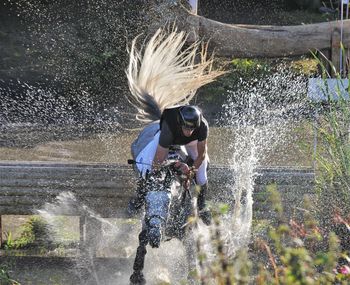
point(259, 124)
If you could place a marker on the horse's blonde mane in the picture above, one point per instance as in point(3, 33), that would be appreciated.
point(163, 73)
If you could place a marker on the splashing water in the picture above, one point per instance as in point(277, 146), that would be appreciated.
point(81, 46)
point(34, 114)
point(259, 114)
point(115, 238)
point(258, 124)
point(85, 264)
point(80, 52)
point(77, 53)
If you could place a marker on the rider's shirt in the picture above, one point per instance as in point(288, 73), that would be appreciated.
point(171, 133)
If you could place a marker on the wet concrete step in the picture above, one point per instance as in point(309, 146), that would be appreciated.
point(106, 188)
point(63, 270)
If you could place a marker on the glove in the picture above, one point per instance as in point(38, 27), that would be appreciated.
point(183, 167)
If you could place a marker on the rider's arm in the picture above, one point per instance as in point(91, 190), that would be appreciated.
point(165, 139)
point(202, 152)
point(160, 156)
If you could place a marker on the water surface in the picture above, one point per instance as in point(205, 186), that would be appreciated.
point(57, 146)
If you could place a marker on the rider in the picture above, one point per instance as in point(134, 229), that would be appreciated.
point(184, 125)
point(165, 73)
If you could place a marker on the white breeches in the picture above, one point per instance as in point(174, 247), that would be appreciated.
point(146, 156)
point(194, 6)
point(192, 151)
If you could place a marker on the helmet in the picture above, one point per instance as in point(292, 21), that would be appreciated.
point(189, 117)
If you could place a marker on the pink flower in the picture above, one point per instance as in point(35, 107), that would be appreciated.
point(344, 270)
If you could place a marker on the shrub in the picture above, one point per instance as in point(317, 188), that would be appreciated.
point(5, 277)
point(294, 252)
point(35, 232)
point(333, 158)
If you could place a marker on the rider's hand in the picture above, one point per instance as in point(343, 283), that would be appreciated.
point(183, 167)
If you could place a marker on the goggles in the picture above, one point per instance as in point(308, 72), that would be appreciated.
point(189, 128)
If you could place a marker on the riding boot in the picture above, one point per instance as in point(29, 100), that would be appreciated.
point(203, 211)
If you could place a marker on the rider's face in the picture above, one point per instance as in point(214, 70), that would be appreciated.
point(187, 132)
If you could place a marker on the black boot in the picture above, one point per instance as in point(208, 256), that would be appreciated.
point(203, 211)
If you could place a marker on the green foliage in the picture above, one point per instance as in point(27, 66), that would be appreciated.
point(275, 199)
point(238, 69)
point(306, 66)
point(333, 157)
point(34, 232)
point(221, 270)
point(293, 252)
point(223, 209)
point(5, 278)
point(251, 68)
point(9, 244)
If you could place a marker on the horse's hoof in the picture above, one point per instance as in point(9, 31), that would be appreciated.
point(137, 278)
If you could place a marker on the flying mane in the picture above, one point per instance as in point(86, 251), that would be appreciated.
point(165, 72)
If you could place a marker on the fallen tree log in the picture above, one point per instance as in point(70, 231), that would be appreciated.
point(266, 41)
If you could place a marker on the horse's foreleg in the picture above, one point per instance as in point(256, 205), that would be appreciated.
point(137, 276)
point(191, 256)
point(141, 251)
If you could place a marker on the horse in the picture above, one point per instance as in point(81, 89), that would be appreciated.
point(164, 72)
point(169, 203)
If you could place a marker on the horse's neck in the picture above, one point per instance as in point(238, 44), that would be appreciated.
point(175, 189)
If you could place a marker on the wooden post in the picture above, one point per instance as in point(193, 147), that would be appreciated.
point(335, 51)
point(0, 231)
point(82, 222)
point(92, 234)
point(325, 56)
point(193, 23)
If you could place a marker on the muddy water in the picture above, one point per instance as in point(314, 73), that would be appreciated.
point(296, 149)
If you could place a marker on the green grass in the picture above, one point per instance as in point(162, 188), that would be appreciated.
point(5, 278)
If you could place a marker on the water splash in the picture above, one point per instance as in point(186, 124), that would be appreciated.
point(71, 71)
point(32, 114)
point(67, 203)
point(115, 244)
point(258, 123)
point(260, 114)
point(75, 56)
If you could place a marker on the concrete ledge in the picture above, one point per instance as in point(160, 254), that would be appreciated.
point(106, 188)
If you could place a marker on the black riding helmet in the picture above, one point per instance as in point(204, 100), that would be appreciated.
point(189, 117)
